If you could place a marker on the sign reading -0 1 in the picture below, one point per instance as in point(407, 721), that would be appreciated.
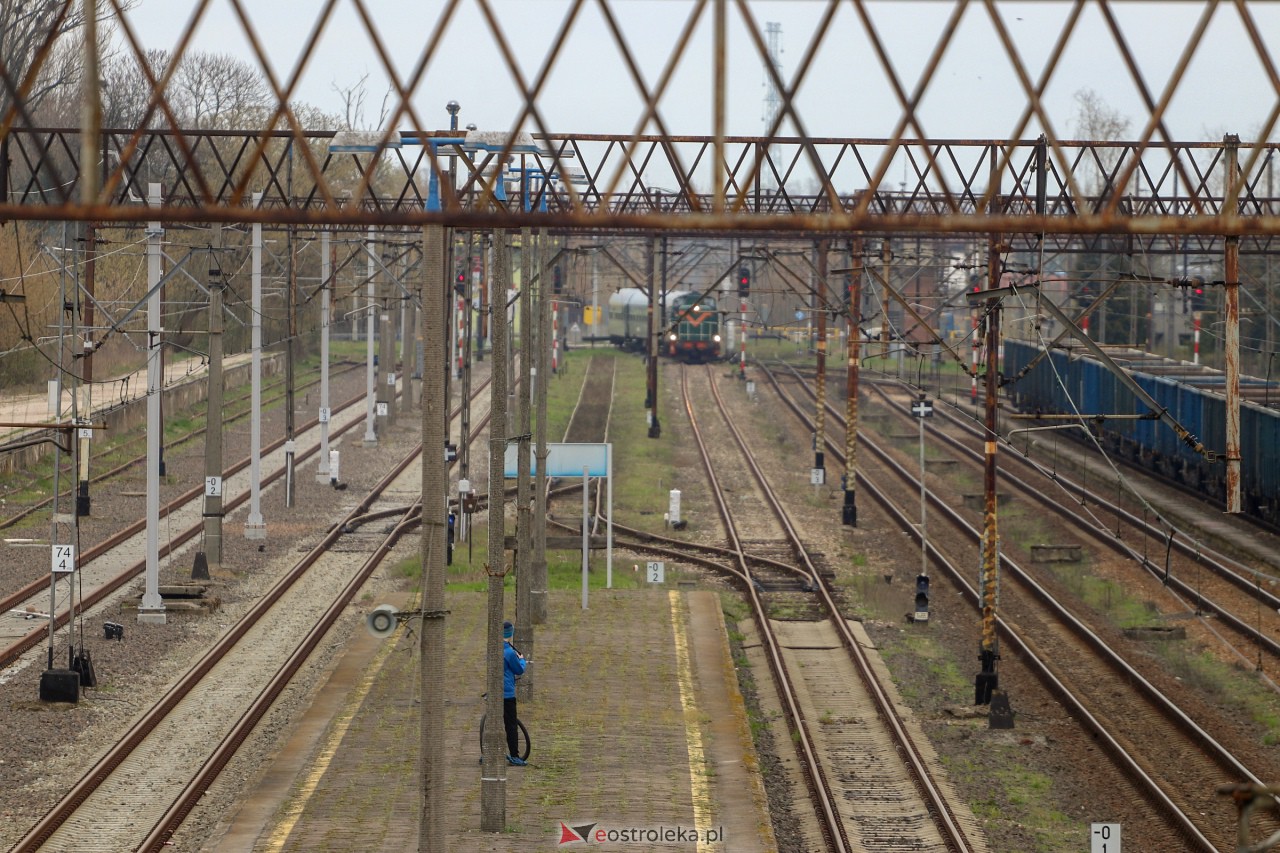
point(64, 559)
point(1104, 838)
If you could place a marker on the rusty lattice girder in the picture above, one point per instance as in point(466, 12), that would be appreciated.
point(205, 170)
point(1152, 187)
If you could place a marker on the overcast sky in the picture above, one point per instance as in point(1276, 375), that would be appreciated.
point(975, 93)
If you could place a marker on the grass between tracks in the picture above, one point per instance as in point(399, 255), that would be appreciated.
point(642, 472)
point(35, 482)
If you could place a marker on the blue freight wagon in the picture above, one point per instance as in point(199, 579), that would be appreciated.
point(1068, 382)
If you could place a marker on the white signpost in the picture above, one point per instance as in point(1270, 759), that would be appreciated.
point(1104, 838)
point(64, 559)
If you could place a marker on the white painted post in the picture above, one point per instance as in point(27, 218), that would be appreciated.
point(151, 609)
point(326, 270)
point(673, 506)
point(586, 531)
point(608, 485)
point(254, 526)
point(370, 437)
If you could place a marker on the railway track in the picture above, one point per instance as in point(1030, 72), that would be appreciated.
point(1174, 763)
point(138, 794)
point(875, 788)
point(142, 789)
point(1206, 582)
point(102, 452)
point(108, 566)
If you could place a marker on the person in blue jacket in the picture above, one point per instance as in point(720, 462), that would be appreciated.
point(513, 667)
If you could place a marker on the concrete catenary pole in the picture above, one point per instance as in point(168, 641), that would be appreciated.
point(83, 504)
point(1231, 276)
point(849, 514)
point(213, 430)
point(290, 354)
point(255, 527)
point(538, 591)
point(493, 778)
point(370, 379)
point(988, 679)
point(432, 837)
point(326, 295)
point(386, 344)
point(651, 282)
point(820, 413)
point(151, 610)
point(529, 375)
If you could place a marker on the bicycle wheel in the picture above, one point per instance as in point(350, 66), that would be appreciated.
point(522, 735)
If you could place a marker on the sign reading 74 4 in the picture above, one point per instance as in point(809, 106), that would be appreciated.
point(64, 559)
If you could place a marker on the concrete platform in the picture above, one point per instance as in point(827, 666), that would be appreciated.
point(636, 722)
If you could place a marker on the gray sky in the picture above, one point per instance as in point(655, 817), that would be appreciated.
point(975, 93)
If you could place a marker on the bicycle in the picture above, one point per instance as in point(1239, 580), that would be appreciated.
point(522, 736)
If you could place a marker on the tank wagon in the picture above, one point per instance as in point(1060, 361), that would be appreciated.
point(629, 317)
point(1192, 393)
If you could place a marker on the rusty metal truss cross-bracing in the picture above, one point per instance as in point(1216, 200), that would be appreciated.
point(1042, 190)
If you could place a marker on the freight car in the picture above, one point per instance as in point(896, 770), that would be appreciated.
point(694, 328)
point(629, 317)
point(1191, 393)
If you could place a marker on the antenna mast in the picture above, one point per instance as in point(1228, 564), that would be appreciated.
point(772, 95)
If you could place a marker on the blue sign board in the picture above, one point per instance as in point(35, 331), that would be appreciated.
point(563, 460)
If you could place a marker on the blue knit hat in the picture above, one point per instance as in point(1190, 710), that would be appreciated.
point(508, 631)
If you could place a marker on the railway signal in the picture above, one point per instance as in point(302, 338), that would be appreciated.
point(920, 409)
point(744, 282)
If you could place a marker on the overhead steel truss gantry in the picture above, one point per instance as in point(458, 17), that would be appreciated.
point(1159, 197)
point(1027, 181)
point(1023, 187)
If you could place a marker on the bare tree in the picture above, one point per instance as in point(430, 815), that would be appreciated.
point(30, 27)
point(217, 90)
point(1098, 121)
point(353, 99)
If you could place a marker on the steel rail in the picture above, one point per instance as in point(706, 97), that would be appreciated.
point(1090, 527)
point(139, 731)
point(35, 637)
point(820, 788)
point(1040, 667)
point(1200, 556)
point(173, 817)
point(191, 793)
point(124, 466)
point(913, 758)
